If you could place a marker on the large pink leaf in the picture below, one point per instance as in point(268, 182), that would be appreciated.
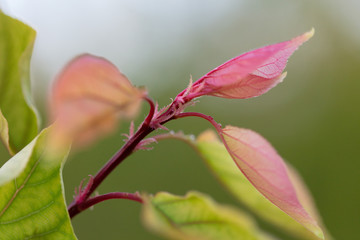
point(266, 170)
point(88, 97)
point(248, 75)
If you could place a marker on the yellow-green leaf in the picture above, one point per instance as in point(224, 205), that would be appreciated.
point(16, 43)
point(32, 203)
point(4, 131)
point(196, 216)
point(219, 161)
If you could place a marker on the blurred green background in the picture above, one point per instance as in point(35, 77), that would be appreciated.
point(312, 118)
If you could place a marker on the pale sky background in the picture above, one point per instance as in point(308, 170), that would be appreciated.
point(135, 34)
point(129, 33)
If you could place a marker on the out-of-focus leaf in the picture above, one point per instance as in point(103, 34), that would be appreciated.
point(88, 97)
point(222, 165)
point(32, 203)
point(16, 43)
point(4, 131)
point(196, 216)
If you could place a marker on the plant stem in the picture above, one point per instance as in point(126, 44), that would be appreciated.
point(203, 116)
point(150, 124)
point(207, 118)
point(97, 199)
point(124, 152)
point(150, 116)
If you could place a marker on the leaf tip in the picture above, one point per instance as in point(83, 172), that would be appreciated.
point(309, 34)
point(283, 76)
point(315, 229)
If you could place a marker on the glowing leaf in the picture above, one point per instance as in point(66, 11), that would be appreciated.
point(88, 97)
point(248, 75)
point(217, 158)
point(266, 170)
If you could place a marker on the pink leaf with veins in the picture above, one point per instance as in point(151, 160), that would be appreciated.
point(88, 97)
point(248, 75)
point(266, 170)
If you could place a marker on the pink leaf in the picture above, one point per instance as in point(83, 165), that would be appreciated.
point(88, 97)
point(266, 170)
point(248, 75)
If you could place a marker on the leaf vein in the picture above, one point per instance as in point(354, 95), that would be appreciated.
point(29, 215)
point(44, 180)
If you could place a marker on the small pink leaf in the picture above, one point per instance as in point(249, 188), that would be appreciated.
point(248, 75)
point(88, 97)
point(266, 170)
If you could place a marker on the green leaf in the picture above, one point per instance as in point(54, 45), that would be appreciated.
point(219, 161)
point(16, 43)
point(4, 131)
point(196, 216)
point(32, 203)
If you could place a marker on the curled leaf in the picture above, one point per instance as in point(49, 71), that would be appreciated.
point(88, 97)
point(266, 170)
point(248, 75)
point(18, 117)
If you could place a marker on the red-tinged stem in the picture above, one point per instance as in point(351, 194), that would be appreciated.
point(150, 116)
point(203, 116)
point(83, 201)
point(97, 199)
point(124, 152)
point(209, 119)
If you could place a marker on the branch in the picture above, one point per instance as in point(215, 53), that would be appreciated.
point(149, 124)
point(76, 209)
point(203, 116)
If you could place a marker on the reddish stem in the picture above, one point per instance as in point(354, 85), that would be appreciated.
point(203, 116)
point(207, 118)
point(124, 152)
point(150, 116)
point(97, 199)
point(83, 201)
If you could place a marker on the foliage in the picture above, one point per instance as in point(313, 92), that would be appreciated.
point(17, 116)
point(90, 96)
point(32, 203)
point(196, 216)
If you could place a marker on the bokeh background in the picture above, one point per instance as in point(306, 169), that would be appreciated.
point(312, 118)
